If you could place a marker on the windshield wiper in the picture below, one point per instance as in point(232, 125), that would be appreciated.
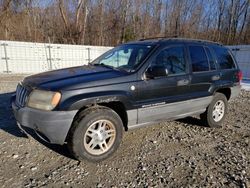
point(103, 65)
point(111, 67)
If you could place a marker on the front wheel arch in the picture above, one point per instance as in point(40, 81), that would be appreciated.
point(76, 135)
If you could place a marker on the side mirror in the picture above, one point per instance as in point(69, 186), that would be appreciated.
point(156, 71)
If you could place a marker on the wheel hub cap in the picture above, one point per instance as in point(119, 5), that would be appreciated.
point(99, 137)
point(218, 110)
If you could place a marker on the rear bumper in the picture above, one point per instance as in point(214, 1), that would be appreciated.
point(235, 91)
point(54, 125)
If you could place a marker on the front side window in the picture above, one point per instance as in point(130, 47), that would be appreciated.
point(198, 58)
point(125, 57)
point(173, 60)
point(225, 59)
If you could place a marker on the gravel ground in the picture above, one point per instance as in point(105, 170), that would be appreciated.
point(172, 154)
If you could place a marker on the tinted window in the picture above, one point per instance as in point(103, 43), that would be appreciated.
point(210, 59)
point(225, 60)
point(198, 58)
point(173, 59)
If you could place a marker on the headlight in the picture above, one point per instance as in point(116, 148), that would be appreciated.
point(44, 100)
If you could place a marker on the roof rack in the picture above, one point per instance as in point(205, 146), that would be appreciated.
point(175, 37)
point(197, 40)
point(163, 37)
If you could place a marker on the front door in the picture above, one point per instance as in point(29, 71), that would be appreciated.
point(157, 95)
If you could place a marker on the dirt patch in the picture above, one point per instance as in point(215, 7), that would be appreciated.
point(171, 154)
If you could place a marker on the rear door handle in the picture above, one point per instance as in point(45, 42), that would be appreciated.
point(183, 82)
point(215, 77)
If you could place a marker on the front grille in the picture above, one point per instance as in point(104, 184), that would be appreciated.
point(21, 95)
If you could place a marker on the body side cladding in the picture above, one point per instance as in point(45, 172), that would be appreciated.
point(135, 126)
point(169, 111)
point(132, 117)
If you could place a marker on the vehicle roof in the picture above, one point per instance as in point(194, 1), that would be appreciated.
point(165, 41)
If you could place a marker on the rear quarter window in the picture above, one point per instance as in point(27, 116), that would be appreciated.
point(225, 59)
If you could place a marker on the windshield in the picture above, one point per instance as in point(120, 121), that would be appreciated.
point(125, 57)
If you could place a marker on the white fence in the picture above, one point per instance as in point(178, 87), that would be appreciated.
point(26, 57)
point(242, 55)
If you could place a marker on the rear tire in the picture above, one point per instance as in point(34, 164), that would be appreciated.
point(216, 111)
point(96, 134)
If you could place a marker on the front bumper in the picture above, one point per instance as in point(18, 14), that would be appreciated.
point(54, 125)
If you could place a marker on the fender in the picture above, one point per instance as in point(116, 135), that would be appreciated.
point(221, 85)
point(79, 101)
point(214, 87)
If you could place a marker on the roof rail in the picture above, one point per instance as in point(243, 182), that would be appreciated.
point(175, 37)
point(163, 37)
point(198, 40)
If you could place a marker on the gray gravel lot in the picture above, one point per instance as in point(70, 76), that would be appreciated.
point(179, 153)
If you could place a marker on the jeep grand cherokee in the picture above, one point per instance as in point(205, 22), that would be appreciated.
point(133, 85)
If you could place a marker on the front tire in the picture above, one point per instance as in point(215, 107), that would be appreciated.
point(96, 134)
point(216, 111)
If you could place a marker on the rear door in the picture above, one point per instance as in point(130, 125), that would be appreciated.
point(205, 72)
point(227, 66)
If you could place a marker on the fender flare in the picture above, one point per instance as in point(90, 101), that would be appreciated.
point(78, 102)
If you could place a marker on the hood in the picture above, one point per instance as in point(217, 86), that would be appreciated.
point(70, 77)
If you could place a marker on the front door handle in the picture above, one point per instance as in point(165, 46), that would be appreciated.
point(183, 82)
point(215, 77)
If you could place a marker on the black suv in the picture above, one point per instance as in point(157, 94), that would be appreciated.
point(133, 85)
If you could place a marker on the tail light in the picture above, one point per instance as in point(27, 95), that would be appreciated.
point(239, 75)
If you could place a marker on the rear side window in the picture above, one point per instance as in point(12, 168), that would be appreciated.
point(210, 59)
point(225, 59)
point(198, 58)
